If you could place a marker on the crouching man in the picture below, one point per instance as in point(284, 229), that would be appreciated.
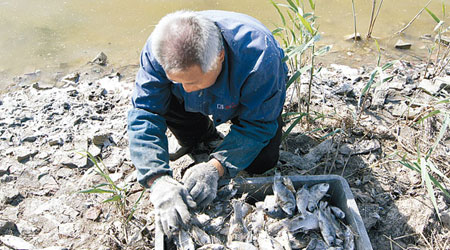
point(196, 64)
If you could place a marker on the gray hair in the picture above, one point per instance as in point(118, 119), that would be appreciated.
point(185, 38)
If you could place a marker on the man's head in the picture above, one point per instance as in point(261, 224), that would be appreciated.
point(189, 47)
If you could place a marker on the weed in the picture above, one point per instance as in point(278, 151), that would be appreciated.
point(118, 195)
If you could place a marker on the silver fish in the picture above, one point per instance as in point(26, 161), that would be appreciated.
point(284, 196)
point(302, 199)
point(266, 242)
point(257, 221)
point(349, 239)
point(284, 239)
point(303, 223)
point(275, 226)
point(326, 228)
point(316, 193)
point(338, 212)
point(183, 240)
point(288, 183)
point(238, 230)
point(316, 244)
point(199, 236)
point(212, 247)
point(227, 192)
point(238, 245)
point(272, 208)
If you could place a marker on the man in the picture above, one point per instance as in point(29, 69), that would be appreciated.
point(196, 64)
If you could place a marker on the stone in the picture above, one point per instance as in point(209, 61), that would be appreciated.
point(29, 139)
point(353, 37)
point(8, 228)
point(100, 59)
point(10, 196)
point(72, 78)
point(445, 218)
point(101, 140)
point(443, 82)
point(67, 229)
point(24, 154)
point(379, 96)
point(26, 228)
point(362, 147)
point(93, 213)
point(15, 242)
point(41, 86)
point(429, 86)
point(344, 90)
point(4, 169)
point(406, 111)
point(402, 44)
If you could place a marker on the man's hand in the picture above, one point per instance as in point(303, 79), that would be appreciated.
point(170, 200)
point(201, 181)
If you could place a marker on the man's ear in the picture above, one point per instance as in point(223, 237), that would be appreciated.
point(221, 56)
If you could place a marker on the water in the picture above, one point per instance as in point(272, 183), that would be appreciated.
point(57, 36)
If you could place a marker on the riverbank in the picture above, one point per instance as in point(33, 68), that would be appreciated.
point(42, 127)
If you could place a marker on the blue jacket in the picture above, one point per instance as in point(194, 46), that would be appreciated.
point(251, 87)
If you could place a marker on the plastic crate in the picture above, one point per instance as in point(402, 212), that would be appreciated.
point(340, 196)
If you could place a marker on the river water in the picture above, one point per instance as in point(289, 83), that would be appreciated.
point(60, 35)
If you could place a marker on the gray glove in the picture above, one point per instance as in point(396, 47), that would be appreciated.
point(201, 181)
point(170, 200)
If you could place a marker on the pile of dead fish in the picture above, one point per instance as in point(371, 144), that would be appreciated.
point(289, 219)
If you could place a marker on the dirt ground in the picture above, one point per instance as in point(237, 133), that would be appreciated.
point(41, 174)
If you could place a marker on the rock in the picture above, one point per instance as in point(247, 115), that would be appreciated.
point(67, 229)
point(24, 154)
point(15, 242)
point(445, 218)
point(56, 142)
point(101, 140)
point(41, 86)
point(11, 196)
point(8, 228)
point(71, 79)
point(317, 152)
point(443, 82)
point(443, 39)
point(369, 213)
point(379, 97)
point(100, 59)
point(361, 147)
point(29, 139)
point(404, 110)
point(4, 169)
point(352, 37)
point(402, 44)
point(429, 86)
point(26, 228)
point(344, 90)
point(93, 213)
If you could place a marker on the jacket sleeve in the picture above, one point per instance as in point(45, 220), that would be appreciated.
point(146, 127)
point(261, 102)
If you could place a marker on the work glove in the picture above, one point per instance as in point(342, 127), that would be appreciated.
point(201, 181)
point(170, 200)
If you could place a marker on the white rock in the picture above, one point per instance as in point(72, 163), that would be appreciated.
point(15, 242)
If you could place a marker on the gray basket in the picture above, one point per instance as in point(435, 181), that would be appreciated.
point(340, 196)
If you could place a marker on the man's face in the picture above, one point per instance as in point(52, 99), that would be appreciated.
point(194, 79)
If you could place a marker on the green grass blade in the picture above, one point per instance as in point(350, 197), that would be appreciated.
point(433, 15)
point(277, 31)
point(96, 191)
point(441, 134)
point(406, 164)
point(429, 186)
point(114, 198)
point(294, 7)
point(307, 25)
point(135, 206)
point(283, 20)
point(293, 78)
point(432, 113)
point(338, 130)
point(323, 50)
point(288, 131)
point(433, 168)
point(312, 4)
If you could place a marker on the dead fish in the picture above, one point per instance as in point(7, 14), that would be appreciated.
point(349, 239)
point(283, 238)
point(302, 199)
point(266, 242)
point(284, 196)
point(326, 228)
point(304, 223)
point(316, 193)
point(238, 231)
point(199, 236)
point(275, 226)
point(215, 225)
point(338, 212)
point(288, 183)
point(272, 208)
point(212, 247)
point(257, 220)
point(227, 192)
point(316, 244)
point(238, 245)
point(183, 241)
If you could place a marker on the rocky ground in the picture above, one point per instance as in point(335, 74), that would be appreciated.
point(42, 129)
